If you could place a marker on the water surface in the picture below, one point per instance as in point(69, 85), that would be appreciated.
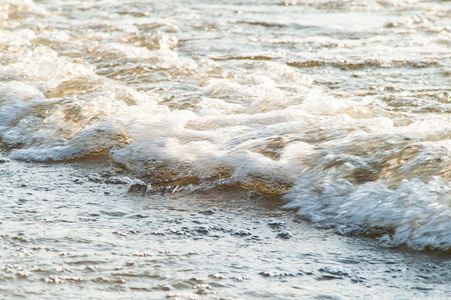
point(334, 113)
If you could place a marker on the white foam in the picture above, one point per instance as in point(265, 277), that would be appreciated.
point(54, 36)
point(417, 212)
point(16, 100)
point(53, 129)
point(18, 38)
point(46, 69)
point(349, 157)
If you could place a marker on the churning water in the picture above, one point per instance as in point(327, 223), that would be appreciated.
point(340, 108)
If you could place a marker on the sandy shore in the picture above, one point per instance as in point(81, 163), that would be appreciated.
point(74, 230)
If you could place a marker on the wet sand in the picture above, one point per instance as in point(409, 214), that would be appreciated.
point(76, 230)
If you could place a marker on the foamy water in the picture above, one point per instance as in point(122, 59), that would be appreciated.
point(343, 108)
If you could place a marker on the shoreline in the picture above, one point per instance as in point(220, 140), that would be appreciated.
point(67, 234)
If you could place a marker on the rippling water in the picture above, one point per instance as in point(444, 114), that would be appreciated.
point(341, 108)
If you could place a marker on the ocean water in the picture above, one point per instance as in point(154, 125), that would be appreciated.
point(338, 111)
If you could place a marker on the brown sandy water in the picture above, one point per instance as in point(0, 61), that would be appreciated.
point(67, 232)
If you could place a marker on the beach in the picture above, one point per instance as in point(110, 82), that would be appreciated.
point(65, 235)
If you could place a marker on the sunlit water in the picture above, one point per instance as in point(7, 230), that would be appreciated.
point(337, 111)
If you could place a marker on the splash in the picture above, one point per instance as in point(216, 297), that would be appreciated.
point(350, 124)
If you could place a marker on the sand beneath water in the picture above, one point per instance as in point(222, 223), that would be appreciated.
point(78, 230)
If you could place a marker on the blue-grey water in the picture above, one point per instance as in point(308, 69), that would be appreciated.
point(225, 149)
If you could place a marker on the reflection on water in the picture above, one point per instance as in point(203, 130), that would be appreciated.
point(73, 229)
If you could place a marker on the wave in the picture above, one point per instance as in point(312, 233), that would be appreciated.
point(369, 158)
point(338, 170)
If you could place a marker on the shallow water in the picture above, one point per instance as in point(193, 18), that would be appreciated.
point(67, 229)
point(336, 112)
